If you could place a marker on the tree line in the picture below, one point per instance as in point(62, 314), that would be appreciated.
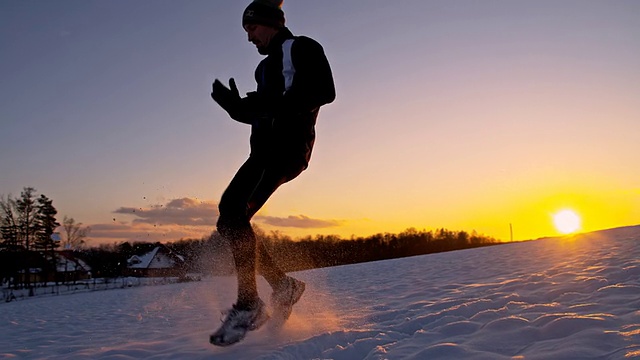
point(212, 254)
point(324, 251)
point(28, 236)
point(28, 224)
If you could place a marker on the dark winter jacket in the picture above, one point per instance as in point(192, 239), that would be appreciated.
point(294, 80)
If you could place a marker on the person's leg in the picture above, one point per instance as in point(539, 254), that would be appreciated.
point(271, 180)
point(249, 190)
point(286, 290)
point(250, 312)
point(234, 225)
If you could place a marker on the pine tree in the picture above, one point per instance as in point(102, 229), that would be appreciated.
point(46, 224)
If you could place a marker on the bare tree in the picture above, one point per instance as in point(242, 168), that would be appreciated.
point(8, 224)
point(9, 248)
point(27, 211)
point(74, 234)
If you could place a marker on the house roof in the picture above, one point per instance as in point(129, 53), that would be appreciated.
point(142, 261)
point(158, 258)
point(67, 262)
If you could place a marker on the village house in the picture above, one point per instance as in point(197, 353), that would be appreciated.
point(70, 268)
point(39, 266)
point(159, 262)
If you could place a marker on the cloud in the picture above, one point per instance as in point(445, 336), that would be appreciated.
point(177, 219)
point(180, 219)
point(298, 221)
point(182, 212)
point(141, 232)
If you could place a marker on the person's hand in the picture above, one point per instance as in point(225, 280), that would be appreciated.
point(227, 97)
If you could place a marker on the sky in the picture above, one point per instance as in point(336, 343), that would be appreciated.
point(478, 116)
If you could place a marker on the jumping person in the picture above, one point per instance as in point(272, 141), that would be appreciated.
point(293, 82)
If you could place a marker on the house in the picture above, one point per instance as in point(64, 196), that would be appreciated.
point(70, 268)
point(39, 267)
point(27, 267)
point(159, 262)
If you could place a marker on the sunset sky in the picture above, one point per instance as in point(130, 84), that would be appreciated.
point(468, 115)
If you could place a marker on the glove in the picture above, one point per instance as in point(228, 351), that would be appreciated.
point(227, 98)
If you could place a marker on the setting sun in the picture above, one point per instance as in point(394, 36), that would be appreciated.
point(566, 221)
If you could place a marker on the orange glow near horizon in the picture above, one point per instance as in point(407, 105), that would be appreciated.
point(526, 205)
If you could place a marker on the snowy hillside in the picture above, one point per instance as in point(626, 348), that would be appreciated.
point(561, 298)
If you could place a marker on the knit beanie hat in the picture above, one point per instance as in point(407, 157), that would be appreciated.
point(264, 12)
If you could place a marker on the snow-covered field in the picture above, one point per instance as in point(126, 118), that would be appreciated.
point(564, 298)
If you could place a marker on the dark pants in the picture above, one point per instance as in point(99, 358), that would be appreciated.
point(250, 188)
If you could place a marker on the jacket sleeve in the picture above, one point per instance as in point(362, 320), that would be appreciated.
point(252, 107)
point(312, 85)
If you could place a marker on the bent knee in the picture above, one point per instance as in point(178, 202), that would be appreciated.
point(228, 226)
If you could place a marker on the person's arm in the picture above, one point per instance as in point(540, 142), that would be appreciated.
point(245, 110)
point(312, 84)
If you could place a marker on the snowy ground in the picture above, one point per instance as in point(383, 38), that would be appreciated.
point(575, 298)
